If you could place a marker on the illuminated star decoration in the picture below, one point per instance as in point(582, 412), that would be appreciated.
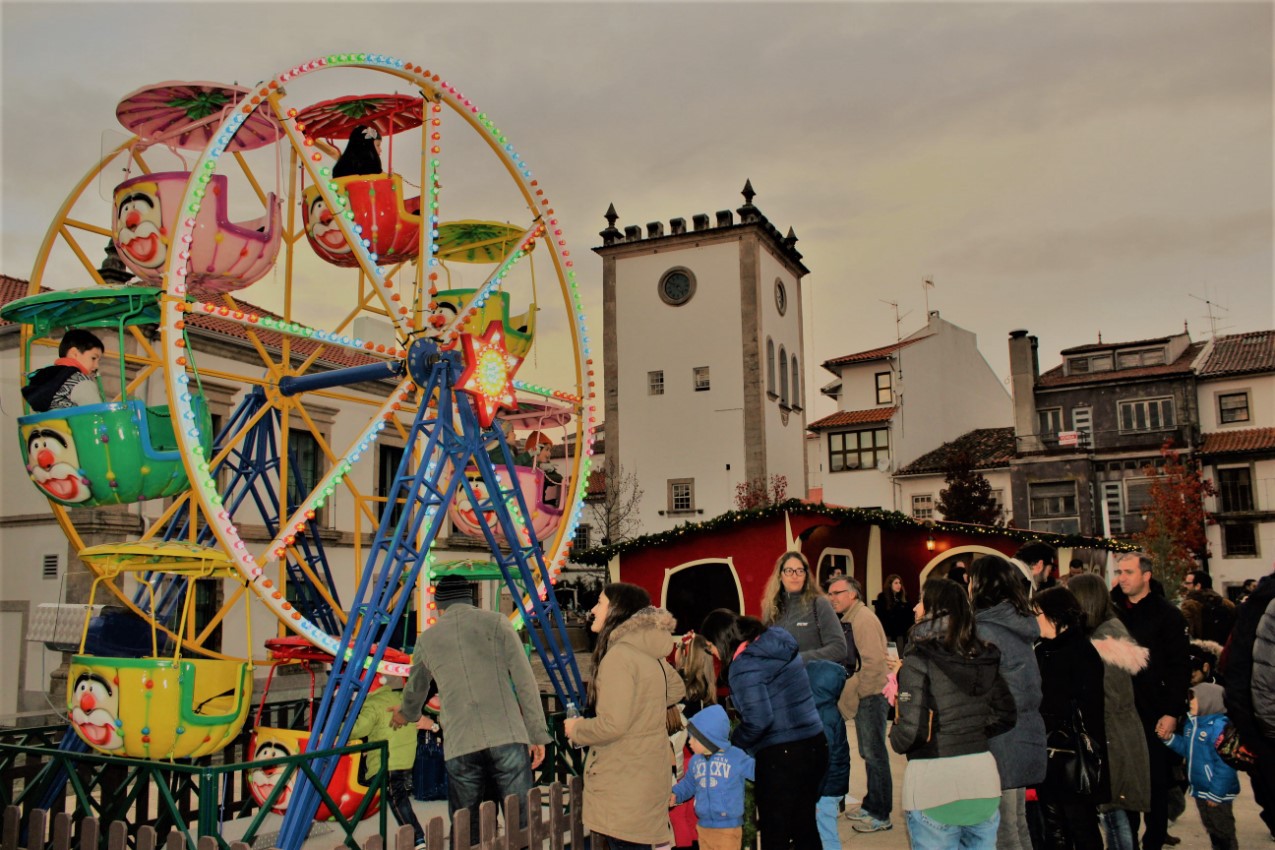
point(489, 373)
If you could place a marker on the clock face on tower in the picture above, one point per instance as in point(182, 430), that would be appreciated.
point(781, 297)
point(677, 286)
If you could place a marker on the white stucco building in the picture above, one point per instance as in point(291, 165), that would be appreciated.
point(703, 350)
point(897, 402)
point(1235, 382)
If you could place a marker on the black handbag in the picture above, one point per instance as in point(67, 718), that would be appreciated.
point(1075, 761)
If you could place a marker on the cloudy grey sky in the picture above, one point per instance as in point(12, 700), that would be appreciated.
point(1071, 168)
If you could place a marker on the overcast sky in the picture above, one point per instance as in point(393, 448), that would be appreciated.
point(1070, 168)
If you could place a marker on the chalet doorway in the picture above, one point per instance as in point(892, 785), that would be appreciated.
point(690, 592)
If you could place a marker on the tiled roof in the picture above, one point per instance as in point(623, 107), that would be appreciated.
point(597, 483)
point(1182, 366)
point(273, 340)
point(872, 353)
point(988, 448)
point(1109, 346)
point(11, 289)
point(1233, 442)
point(853, 417)
point(1237, 354)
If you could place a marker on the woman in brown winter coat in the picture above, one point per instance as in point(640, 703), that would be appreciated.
point(1122, 657)
point(627, 775)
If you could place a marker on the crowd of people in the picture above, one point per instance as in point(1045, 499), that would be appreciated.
point(1033, 712)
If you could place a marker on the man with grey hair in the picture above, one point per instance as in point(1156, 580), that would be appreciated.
point(863, 702)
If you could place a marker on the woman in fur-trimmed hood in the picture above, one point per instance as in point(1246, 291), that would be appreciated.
point(1122, 658)
point(628, 773)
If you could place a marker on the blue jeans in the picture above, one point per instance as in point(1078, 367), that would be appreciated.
point(931, 835)
point(490, 774)
point(1115, 824)
point(869, 727)
point(398, 788)
point(826, 814)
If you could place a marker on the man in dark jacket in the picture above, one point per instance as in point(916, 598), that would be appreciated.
point(1208, 615)
point(1252, 657)
point(1160, 690)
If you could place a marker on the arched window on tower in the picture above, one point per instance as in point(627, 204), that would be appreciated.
point(796, 383)
point(783, 375)
point(770, 366)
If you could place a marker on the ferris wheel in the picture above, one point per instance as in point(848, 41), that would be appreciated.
point(423, 326)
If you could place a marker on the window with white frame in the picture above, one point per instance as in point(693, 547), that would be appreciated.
point(1141, 357)
point(1113, 498)
point(1050, 419)
point(1232, 407)
point(885, 391)
point(923, 506)
point(681, 495)
point(700, 378)
point(655, 382)
point(1146, 414)
point(1082, 419)
point(1137, 495)
point(1053, 506)
point(583, 537)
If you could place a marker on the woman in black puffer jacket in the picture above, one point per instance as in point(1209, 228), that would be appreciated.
point(951, 699)
point(1071, 675)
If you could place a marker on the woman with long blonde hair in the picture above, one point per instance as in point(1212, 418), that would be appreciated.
point(793, 601)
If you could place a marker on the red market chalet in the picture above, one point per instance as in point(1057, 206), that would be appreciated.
point(726, 561)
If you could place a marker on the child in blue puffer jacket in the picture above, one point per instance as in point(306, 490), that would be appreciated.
point(1214, 783)
point(715, 778)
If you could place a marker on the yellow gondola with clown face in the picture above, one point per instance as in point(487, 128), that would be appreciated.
point(158, 707)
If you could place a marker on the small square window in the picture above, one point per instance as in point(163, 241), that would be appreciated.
point(582, 538)
point(1232, 407)
point(681, 495)
point(655, 382)
point(923, 506)
point(1050, 421)
point(701, 378)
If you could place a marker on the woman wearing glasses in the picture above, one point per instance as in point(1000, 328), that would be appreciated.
point(793, 601)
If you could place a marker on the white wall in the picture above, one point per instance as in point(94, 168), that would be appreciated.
point(1261, 401)
point(682, 433)
point(932, 485)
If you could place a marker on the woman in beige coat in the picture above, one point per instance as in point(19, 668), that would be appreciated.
point(628, 775)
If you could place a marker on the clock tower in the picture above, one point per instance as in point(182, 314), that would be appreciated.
point(703, 359)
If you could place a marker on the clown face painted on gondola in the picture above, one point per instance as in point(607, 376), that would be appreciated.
point(140, 234)
point(324, 231)
point(95, 711)
point(54, 464)
point(262, 780)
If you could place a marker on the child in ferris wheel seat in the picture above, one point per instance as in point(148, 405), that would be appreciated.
point(71, 380)
point(362, 155)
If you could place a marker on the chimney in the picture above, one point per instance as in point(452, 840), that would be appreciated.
point(1023, 372)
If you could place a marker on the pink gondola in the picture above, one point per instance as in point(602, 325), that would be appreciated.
point(224, 255)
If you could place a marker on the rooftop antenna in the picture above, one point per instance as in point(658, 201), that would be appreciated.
point(1211, 305)
point(927, 283)
point(898, 332)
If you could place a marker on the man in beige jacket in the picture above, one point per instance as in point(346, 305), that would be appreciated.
point(863, 702)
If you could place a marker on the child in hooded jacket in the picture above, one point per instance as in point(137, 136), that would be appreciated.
point(715, 778)
point(826, 682)
point(373, 723)
point(1214, 783)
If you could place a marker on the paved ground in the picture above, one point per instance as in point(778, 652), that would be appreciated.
point(1251, 831)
